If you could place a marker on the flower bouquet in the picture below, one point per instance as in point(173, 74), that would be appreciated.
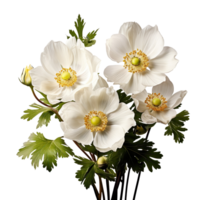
point(110, 127)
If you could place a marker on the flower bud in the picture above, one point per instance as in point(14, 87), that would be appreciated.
point(102, 162)
point(140, 131)
point(25, 77)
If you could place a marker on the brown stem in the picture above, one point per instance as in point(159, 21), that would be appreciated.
point(95, 191)
point(54, 110)
point(86, 154)
point(108, 187)
point(101, 189)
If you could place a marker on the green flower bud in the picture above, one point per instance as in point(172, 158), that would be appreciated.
point(140, 131)
point(65, 75)
point(95, 121)
point(135, 61)
point(102, 162)
point(25, 77)
point(156, 101)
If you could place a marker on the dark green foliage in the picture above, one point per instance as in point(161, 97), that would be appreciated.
point(123, 97)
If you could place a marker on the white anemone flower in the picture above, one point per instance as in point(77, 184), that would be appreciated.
point(97, 116)
point(65, 69)
point(159, 106)
point(145, 58)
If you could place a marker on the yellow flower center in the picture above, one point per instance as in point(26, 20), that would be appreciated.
point(156, 102)
point(136, 61)
point(66, 77)
point(96, 121)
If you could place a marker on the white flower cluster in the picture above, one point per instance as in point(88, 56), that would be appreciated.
point(69, 73)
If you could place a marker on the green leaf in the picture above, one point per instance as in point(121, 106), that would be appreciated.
point(58, 106)
point(123, 97)
point(109, 174)
point(79, 24)
point(180, 106)
point(44, 119)
point(136, 152)
point(92, 35)
point(85, 174)
point(90, 148)
point(30, 114)
point(41, 148)
point(73, 34)
point(91, 43)
point(176, 126)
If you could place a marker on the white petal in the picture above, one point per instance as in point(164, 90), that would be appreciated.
point(73, 114)
point(117, 47)
point(80, 63)
point(63, 55)
point(176, 99)
point(130, 30)
point(85, 77)
point(165, 61)
point(150, 41)
point(147, 118)
point(123, 117)
point(82, 96)
point(117, 74)
point(164, 116)
point(94, 61)
point(50, 87)
point(114, 147)
point(72, 43)
point(108, 138)
point(105, 100)
point(56, 97)
point(150, 79)
point(134, 85)
point(67, 94)
point(139, 100)
point(56, 54)
point(38, 75)
point(166, 88)
point(81, 134)
point(98, 82)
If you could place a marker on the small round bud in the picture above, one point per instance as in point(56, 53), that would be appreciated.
point(156, 101)
point(102, 162)
point(95, 121)
point(135, 61)
point(140, 130)
point(65, 75)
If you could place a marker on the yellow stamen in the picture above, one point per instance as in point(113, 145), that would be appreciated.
point(156, 102)
point(66, 77)
point(93, 124)
point(136, 61)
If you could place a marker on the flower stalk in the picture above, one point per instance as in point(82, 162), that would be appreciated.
point(54, 110)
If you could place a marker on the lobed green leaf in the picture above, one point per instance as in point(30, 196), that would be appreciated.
point(40, 148)
point(30, 114)
point(176, 126)
point(44, 119)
